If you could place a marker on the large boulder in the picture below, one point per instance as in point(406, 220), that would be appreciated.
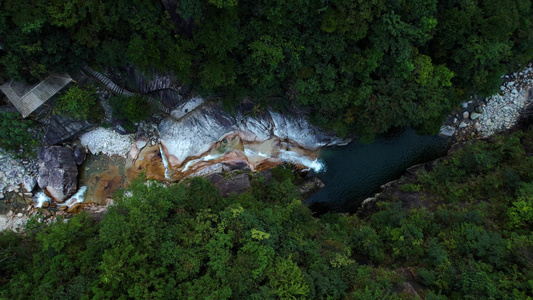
point(57, 171)
point(29, 182)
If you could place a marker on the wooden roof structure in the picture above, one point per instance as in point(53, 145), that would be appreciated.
point(28, 97)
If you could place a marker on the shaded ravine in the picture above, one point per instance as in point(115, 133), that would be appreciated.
point(356, 171)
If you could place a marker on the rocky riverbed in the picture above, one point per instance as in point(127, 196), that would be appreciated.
point(199, 139)
point(483, 117)
point(16, 175)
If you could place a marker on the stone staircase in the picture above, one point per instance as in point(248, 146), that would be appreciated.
point(117, 90)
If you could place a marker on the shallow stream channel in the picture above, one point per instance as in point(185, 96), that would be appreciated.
point(356, 171)
point(350, 173)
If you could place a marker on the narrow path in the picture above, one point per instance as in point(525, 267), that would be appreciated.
point(115, 89)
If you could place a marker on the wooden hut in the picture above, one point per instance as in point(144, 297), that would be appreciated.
point(31, 98)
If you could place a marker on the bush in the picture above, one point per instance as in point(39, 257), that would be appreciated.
point(410, 188)
point(14, 135)
point(78, 103)
point(131, 109)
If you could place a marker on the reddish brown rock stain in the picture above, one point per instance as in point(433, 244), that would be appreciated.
point(149, 162)
point(103, 185)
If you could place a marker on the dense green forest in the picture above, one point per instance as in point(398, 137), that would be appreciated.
point(359, 66)
point(471, 238)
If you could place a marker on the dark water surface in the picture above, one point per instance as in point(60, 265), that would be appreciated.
point(356, 171)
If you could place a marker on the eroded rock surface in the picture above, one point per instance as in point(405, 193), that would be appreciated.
point(208, 135)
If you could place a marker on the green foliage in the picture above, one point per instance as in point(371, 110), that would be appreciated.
point(287, 280)
point(78, 102)
point(521, 212)
point(359, 67)
point(15, 136)
point(484, 32)
point(410, 188)
point(14, 253)
point(186, 241)
point(131, 109)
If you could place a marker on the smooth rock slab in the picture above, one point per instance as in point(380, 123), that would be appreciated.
point(62, 129)
point(195, 133)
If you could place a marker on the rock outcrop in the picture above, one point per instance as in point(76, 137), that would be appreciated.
point(203, 133)
point(234, 182)
point(57, 172)
point(61, 129)
point(310, 187)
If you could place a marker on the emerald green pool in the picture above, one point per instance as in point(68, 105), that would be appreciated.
point(356, 171)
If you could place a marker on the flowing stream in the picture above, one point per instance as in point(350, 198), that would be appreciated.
point(356, 171)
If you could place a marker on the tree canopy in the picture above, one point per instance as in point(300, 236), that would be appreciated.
point(359, 66)
point(470, 238)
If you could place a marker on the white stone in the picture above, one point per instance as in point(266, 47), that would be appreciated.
point(140, 143)
point(107, 141)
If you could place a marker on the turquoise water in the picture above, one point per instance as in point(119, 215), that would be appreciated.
point(356, 171)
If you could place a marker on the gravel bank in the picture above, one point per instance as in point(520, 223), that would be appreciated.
point(485, 117)
point(107, 141)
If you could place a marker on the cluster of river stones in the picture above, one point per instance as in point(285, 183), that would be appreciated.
point(45, 188)
point(483, 117)
point(200, 139)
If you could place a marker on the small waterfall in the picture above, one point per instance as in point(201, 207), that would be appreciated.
point(40, 198)
point(168, 173)
point(293, 157)
point(205, 158)
point(79, 197)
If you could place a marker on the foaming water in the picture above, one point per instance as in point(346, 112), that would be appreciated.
point(205, 158)
point(356, 171)
point(40, 198)
point(168, 173)
point(79, 197)
point(316, 165)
